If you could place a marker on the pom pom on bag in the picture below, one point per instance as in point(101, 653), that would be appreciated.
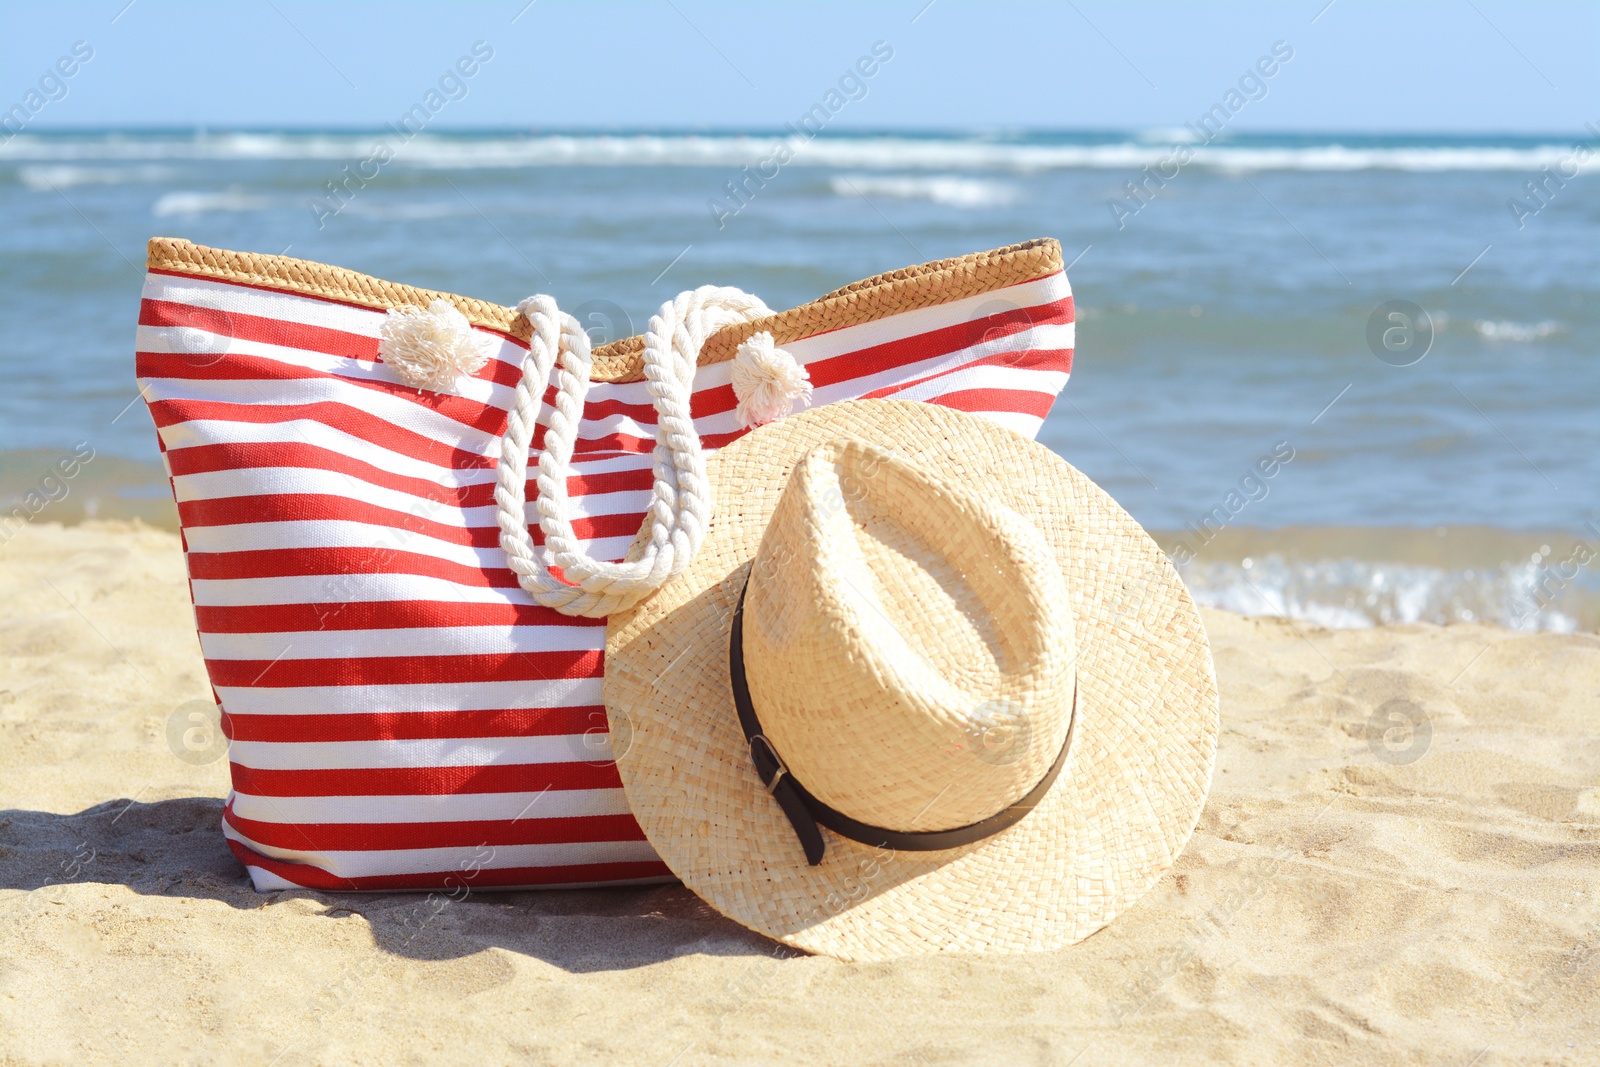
point(767, 381)
point(402, 714)
point(433, 348)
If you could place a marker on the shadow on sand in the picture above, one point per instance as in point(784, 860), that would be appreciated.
point(174, 849)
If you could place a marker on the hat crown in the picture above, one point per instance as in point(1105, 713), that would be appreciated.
point(908, 642)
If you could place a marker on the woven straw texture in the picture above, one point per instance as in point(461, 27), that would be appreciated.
point(948, 663)
point(927, 285)
point(1138, 768)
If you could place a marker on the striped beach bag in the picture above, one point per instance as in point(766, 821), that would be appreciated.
point(403, 707)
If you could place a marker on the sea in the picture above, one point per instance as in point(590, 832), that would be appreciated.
point(1402, 330)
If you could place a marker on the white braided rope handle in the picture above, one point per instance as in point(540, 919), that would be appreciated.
point(680, 505)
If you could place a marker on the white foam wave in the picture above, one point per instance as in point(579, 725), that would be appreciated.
point(730, 150)
point(1505, 330)
point(1169, 135)
point(1356, 594)
point(407, 210)
point(192, 203)
point(945, 189)
point(67, 176)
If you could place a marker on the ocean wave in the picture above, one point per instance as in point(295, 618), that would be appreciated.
point(67, 176)
point(948, 189)
point(407, 209)
point(886, 152)
point(185, 202)
point(1168, 135)
point(1505, 330)
point(1357, 594)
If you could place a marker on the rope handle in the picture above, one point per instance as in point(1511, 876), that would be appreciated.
point(680, 503)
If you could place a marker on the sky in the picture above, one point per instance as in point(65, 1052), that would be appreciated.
point(1454, 66)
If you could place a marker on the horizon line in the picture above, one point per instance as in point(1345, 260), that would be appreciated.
point(995, 131)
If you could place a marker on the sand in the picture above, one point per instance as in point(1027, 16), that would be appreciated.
point(1348, 897)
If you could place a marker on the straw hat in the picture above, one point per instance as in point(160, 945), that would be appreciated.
point(924, 688)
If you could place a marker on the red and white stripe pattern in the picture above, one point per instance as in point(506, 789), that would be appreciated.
point(401, 714)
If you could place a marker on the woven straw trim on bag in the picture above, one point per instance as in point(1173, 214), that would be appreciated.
point(927, 285)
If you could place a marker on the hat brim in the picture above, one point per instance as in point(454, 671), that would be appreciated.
point(1121, 810)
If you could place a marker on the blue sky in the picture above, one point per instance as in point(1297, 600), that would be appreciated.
point(1459, 66)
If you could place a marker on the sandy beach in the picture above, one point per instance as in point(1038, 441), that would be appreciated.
point(1427, 894)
